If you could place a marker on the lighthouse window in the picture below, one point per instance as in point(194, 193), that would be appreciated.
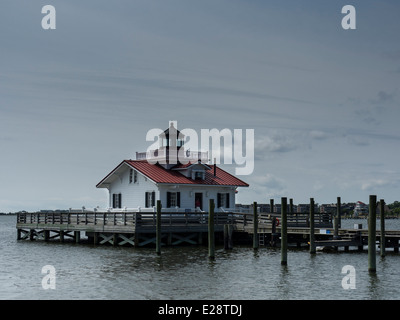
point(173, 199)
point(223, 200)
point(116, 200)
point(133, 176)
point(198, 175)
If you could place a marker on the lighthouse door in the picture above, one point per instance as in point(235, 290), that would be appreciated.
point(198, 200)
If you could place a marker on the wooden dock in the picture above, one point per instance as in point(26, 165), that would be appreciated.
point(118, 227)
point(121, 227)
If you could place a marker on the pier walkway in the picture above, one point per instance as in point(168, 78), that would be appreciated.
point(138, 228)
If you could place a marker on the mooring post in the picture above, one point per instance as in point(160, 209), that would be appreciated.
point(291, 206)
point(211, 238)
point(228, 230)
point(372, 234)
point(283, 231)
point(271, 205)
point(230, 233)
point(158, 228)
point(336, 220)
point(339, 211)
point(226, 237)
point(312, 237)
point(273, 232)
point(255, 226)
point(77, 235)
point(382, 212)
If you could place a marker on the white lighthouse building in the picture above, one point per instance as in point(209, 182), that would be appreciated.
point(180, 178)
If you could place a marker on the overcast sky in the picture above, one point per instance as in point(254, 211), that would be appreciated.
point(324, 102)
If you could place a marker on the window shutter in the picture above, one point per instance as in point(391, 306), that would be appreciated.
point(218, 200)
point(178, 199)
point(168, 199)
point(153, 198)
point(120, 201)
point(113, 200)
point(227, 200)
point(146, 199)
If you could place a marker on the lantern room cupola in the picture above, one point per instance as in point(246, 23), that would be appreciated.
point(171, 150)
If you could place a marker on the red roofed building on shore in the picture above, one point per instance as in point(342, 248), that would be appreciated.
point(180, 178)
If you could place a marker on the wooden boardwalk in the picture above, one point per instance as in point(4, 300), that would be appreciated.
point(120, 227)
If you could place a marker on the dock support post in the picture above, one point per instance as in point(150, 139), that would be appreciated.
point(228, 232)
point(291, 206)
point(61, 236)
point(339, 211)
point(271, 205)
point(46, 235)
point(226, 237)
point(77, 236)
point(255, 226)
point(336, 220)
point(372, 234)
point(158, 228)
point(211, 238)
point(382, 238)
point(312, 237)
point(19, 232)
point(284, 231)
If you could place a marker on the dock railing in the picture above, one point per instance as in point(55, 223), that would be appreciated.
point(245, 219)
point(145, 218)
point(132, 219)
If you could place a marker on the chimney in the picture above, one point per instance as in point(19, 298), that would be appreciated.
point(215, 167)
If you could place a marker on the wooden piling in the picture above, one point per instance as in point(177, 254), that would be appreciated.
point(291, 206)
point(382, 238)
point(372, 234)
point(230, 233)
point(339, 211)
point(283, 231)
point(312, 237)
point(77, 235)
point(255, 226)
point(228, 230)
point(337, 220)
point(271, 205)
point(273, 233)
point(226, 237)
point(158, 227)
point(211, 237)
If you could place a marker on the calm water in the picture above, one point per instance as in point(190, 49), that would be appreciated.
point(84, 271)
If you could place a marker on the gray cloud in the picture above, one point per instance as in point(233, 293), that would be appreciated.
point(77, 100)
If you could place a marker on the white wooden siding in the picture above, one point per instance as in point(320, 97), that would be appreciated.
point(188, 195)
point(133, 194)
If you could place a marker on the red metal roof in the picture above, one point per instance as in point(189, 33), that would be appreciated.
point(158, 174)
